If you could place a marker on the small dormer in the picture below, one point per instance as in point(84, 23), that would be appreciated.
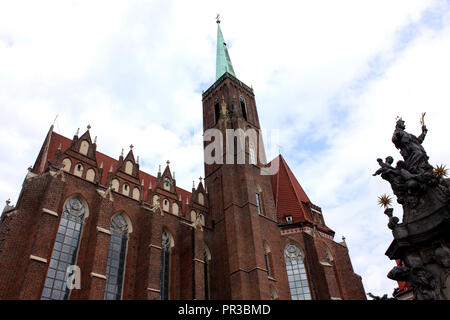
point(129, 165)
point(165, 180)
point(199, 194)
point(83, 145)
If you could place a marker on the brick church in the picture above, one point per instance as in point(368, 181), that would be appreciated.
point(89, 226)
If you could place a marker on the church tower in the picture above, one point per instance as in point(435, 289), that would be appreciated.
point(246, 240)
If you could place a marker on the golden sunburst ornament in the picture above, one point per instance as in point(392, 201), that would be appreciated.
point(384, 201)
point(440, 171)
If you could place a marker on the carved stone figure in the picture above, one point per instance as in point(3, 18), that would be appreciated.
point(411, 149)
point(385, 166)
point(393, 221)
point(423, 282)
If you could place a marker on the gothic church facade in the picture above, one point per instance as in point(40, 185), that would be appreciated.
point(88, 226)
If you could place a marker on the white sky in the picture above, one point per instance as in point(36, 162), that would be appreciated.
point(331, 76)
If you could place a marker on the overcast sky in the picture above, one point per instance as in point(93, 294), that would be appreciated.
point(331, 76)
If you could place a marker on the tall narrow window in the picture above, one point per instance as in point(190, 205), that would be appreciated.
point(268, 259)
point(64, 251)
point(259, 204)
point(216, 110)
point(116, 258)
point(165, 266)
point(296, 272)
point(251, 154)
point(243, 108)
point(207, 259)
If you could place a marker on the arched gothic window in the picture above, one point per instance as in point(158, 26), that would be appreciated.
point(273, 293)
point(165, 265)
point(115, 265)
point(251, 154)
point(268, 260)
point(259, 205)
point(296, 272)
point(207, 260)
point(243, 107)
point(216, 110)
point(64, 251)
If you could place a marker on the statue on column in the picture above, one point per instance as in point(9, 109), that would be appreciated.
point(421, 240)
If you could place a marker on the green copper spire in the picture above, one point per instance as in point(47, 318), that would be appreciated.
point(223, 62)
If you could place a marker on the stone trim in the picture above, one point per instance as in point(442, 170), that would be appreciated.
point(187, 224)
point(198, 260)
point(336, 298)
point(50, 212)
point(248, 271)
point(327, 264)
point(36, 258)
point(100, 229)
point(101, 276)
point(154, 290)
point(153, 246)
point(248, 203)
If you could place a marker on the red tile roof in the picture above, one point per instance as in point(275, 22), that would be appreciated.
point(290, 198)
point(288, 193)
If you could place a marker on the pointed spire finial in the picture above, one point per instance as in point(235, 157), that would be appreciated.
point(78, 131)
point(200, 179)
point(168, 162)
point(89, 127)
point(95, 140)
point(131, 146)
point(121, 154)
point(218, 18)
point(223, 61)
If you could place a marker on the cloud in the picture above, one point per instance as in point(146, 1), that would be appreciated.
point(331, 76)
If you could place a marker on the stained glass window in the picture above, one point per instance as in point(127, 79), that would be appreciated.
point(116, 258)
point(296, 272)
point(165, 266)
point(64, 251)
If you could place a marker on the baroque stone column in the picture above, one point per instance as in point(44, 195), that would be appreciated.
point(422, 240)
